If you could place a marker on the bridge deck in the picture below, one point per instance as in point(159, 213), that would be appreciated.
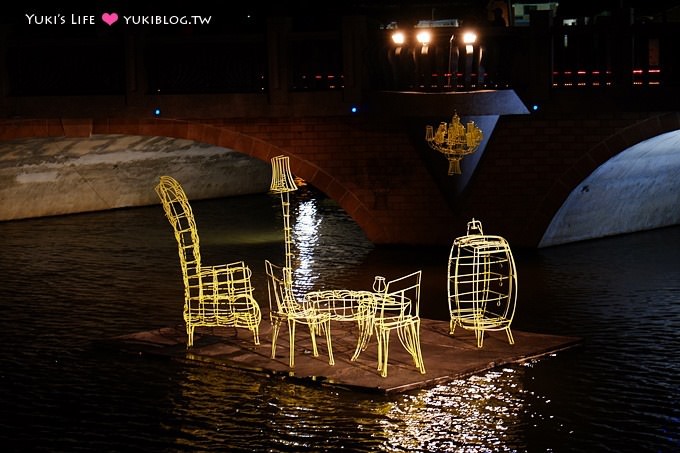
point(446, 357)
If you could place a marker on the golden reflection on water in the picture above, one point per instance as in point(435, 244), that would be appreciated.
point(305, 228)
point(480, 413)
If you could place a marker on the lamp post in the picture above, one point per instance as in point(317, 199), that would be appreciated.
point(402, 61)
point(424, 37)
point(469, 40)
point(423, 69)
point(283, 183)
point(453, 63)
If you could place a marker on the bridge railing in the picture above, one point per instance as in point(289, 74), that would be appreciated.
point(552, 57)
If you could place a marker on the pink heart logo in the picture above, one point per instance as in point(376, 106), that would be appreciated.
point(110, 19)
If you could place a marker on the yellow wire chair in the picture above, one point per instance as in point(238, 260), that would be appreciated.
point(482, 283)
point(214, 296)
point(398, 308)
point(283, 306)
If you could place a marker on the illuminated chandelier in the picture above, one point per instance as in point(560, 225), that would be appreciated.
point(454, 140)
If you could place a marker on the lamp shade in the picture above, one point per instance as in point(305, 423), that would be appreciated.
point(282, 178)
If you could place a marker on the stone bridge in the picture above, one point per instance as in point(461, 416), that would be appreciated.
point(377, 166)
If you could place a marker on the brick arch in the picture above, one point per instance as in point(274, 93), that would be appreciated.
point(214, 134)
point(600, 153)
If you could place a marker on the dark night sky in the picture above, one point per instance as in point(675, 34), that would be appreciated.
point(307, 7)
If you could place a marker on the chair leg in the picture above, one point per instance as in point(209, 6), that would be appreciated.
point(190, 335)
point(331, 360)
point(256, 335)
point(312, 332)
point(365, 331)
point(418, 353)
point(383, 337)
point(291, 336)
point(410, 339)
point(379, 340)
point(276, 326)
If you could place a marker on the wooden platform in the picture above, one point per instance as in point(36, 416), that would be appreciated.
point(446, 357)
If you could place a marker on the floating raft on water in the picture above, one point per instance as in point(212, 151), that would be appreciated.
point(447, 358)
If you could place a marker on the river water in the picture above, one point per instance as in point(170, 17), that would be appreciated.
point(73, 280)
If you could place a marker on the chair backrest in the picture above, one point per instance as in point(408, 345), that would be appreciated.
point(181, 217)
point(279, 286)
point(406, 290)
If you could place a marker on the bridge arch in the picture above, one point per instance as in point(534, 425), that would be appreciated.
point(627, 182)
point(213, 134)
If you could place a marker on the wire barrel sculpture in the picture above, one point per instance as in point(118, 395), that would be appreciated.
point(482, 283)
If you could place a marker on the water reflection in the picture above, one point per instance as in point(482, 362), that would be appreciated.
point(71, 281)
point(306, 223)
point(324, 255)
point(482, 413)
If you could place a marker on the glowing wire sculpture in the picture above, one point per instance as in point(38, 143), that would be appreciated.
point(346, 305)
point(282, 302)
point(283, 183)
point(394, 305)
point(398, 308)
point(214, 296)
point(454, 140)
point(283, 306)
point(482, 283)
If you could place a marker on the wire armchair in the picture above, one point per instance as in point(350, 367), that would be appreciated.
point(214, 296)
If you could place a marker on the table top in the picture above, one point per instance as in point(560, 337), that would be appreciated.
point(343, 304)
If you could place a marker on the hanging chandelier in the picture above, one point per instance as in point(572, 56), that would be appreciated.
point(454, 140)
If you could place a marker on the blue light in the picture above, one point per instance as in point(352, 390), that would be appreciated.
point(354, 109)
point(534, 107)
point(156, 112)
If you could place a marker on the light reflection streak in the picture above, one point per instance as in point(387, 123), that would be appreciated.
point(305, 228)
point(487, 413)
point(327, 245)
point(481, 413)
